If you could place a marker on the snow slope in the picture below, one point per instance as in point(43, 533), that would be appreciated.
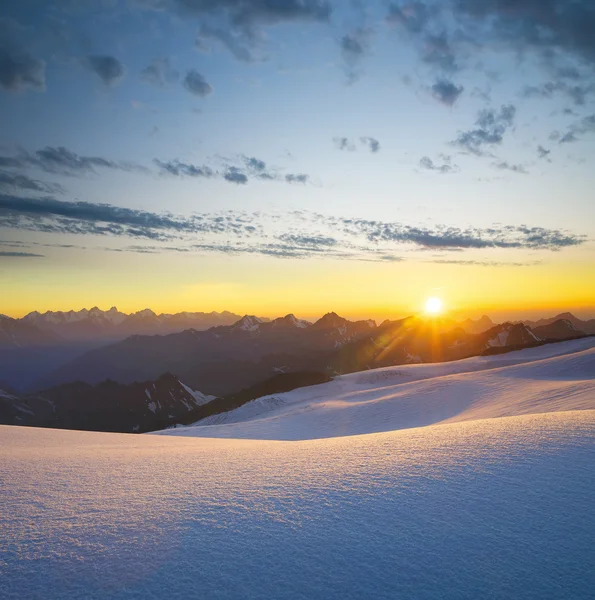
point(497, 509)
point(545, 379)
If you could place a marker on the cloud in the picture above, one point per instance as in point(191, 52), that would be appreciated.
point(177, 168)
point(543, 152)
point(4, 254)
point(14, 182)
point(238, 24)
point(506, 166)
point(195, 83)
point(235, 175)
point(57, 216)
point(446, 91)
point(354, 46)
point(20, 71)
point(297, 178)
point(308, 240)
point(581, 127)
point(160, 73)
point(557, 25)
point(108, 68)
point(296, 234)
point(372, 143)
point(63, 161)
point(343, 143)
point(238, 170)
point(486, 263)
point(454, 237)
point(491, 125)
point(427, 163)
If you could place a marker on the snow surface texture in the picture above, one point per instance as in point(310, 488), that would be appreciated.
point(490, 509)
point(554, 377)
point(494, 509)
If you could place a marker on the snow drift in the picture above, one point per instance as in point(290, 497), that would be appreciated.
point(556, 377)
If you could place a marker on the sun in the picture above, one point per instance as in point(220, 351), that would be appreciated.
point(433, 305)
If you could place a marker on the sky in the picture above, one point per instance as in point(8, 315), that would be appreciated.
point(276, 156)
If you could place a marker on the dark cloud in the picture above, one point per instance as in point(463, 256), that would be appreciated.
point(446, 91)
point(354, 45)
point(294, 234)
point(577, 93)
point(177, 168)
point(506, 166)
point(57, 216)
point(372, 143)
point(235, 175)
point(160, 73)
point(14, 182)
point(557, 25)
point(491, 125)
point(543, 152)
point(454, 237)
point(297, 178)
point(19, 71)
point(343, 143)
point(583, 126)
point(108, 68)
point(195, 83)
point(63, 161)
point(308, 240)
point(4, 254)
point(427, 163)
point(248, 13)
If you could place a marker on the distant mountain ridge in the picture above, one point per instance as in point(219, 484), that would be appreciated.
point(224, 359)
point(113, 324)
point(108, 406)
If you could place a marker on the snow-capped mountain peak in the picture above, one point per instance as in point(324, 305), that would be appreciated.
point(248, 323)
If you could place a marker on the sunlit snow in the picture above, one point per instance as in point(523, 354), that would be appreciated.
point(497, 508)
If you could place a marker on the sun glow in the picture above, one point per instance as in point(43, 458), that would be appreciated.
point(433, 306)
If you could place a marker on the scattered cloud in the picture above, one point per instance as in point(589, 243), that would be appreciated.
point(446, 91)
point(196, 84)
point(8, 254)
point(63, 161)
point(354, 45)
point(296, 233)
point(108, 68)
point(297, 178)
point(343, 143)
point(16, 182)
point(543, 152)
point(235, 175)
point(427, 163)
point(506, 166)
point(491, 125)
point(177, 168)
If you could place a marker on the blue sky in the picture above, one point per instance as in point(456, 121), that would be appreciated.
point(454, 135)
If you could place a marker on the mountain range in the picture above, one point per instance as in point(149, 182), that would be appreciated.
point(98, 388)
point(33, 346)
point(225, 359)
